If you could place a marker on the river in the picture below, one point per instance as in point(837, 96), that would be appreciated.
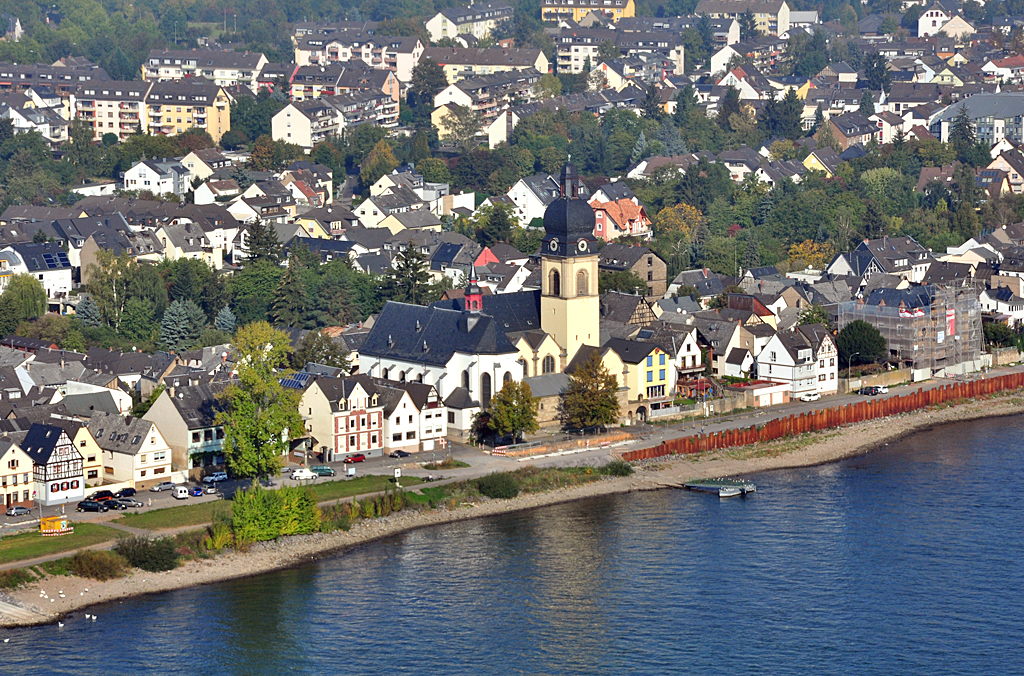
point(904, 561)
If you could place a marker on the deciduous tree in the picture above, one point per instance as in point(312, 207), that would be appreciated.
point(591, 397)
point(28, 295)
point(860, 342)
point(260, 416)
point(513, 410)
point(319, 348)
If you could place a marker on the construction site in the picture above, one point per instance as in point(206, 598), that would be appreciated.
point(934, 330)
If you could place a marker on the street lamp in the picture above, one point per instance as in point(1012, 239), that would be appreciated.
point(849, 362)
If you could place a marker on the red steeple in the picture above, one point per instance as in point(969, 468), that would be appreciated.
point(474, 295)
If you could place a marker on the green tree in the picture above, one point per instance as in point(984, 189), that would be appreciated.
point(380, 161)
point(434, 170)
point(428, 79)
point(226, 320)
point(319, 348)
point(28, 295)
point(815, 315)
point(138, 322)
point(409, 282)
point(513, 410)
point(10, 316)
point(652, 103)
point(748, 25)
point(461, 125)
point(291, 303)
point(876, 73)
point(260, 416)
point(548, 87)
point(623, 281)
point(182, 323)
point(867, 104)
point(262, 243)
point(263, 151)
point(88, 312)
point(608, 51)
point(728, 106)
point(591, 398)
point(998, 333)
point(860, 342)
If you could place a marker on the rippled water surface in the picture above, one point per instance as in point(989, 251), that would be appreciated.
point(905, 561)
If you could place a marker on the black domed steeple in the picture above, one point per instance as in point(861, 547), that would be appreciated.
point(569, 220)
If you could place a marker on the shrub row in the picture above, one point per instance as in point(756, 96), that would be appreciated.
point(259, 514)
point(98, 564)
point(150, 555)
point(500, 485)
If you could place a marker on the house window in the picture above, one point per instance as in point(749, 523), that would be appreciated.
point(195, 437)
point(451, 417)
point(142, 473)
point(352, 441)
point(207, 435)
point(661, 360)
point(661, 374)
point(82, 443)
point(410, 435)
point(650, 360)
point(93, 474)
point(650, 376)
point(821, 378)
point(396, 437)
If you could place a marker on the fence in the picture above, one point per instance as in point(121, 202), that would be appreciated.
point(829, 418)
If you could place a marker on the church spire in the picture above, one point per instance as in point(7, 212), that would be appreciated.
point(474, 295)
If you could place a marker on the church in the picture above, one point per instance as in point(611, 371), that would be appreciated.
point(467, 348)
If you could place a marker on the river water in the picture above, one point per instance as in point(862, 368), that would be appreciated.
point(904, 561)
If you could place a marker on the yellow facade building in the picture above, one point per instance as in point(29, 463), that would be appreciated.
point(556, 10)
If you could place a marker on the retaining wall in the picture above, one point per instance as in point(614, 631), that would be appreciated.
point(829, 418)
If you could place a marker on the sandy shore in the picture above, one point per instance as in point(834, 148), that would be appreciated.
point(805, 451)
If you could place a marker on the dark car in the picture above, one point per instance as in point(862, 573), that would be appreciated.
point(102, 496)
point(323, 470)
point(869, 391)
point(115, 504)
point(18, 510)
point(358, 457)
point(125, 493)
point(399, 454)
point(92, 506)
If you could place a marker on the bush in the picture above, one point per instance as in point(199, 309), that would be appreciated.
point(335, 517)
point(9, 579)
point(259, 514)
point(500, 485)
point(152, 556)
point(617, 468)
point(98, 564)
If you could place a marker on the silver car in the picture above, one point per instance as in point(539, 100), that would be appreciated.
point(162, 486)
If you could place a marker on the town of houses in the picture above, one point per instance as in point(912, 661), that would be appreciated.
point(420, 373)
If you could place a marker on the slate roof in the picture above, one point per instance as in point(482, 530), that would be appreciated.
point(547, 385)
point(197, 404)
point(119, 434)
point(619, 307)
point(460, 399)
point(432, 335)
point(41, 441)
point(512, 312)
point(630, 351)
point(87, 404)
point(616, 256)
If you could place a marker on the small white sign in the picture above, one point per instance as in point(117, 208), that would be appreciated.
point(398, 472)
point(351, 471)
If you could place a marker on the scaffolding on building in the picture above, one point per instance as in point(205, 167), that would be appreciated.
point(945, 335)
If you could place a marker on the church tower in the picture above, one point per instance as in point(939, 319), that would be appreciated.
point(474, 295)
point(569, 302)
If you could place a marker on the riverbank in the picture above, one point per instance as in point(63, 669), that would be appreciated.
point(806, 450)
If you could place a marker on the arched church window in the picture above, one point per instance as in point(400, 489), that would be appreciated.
point(548, 365)
point(465, 379)
point(581, 283)
point(555, 285)
point(485, 389)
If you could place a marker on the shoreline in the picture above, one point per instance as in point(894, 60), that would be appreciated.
point(807, 450)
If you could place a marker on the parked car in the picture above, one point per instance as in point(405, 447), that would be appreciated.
point(399, 454)
point(125, 493)
point(869, 391)
point(92, 506)
point(102, 496)
point(358, 457)
point(196, 492)
point(810, 396)
point(303, 474)
point(163, 486)
point(323, 470)
point(129, 502)
point(115, 504)
point(882, 389)
point(180, 492)
point(215, 477)
point(18, 510)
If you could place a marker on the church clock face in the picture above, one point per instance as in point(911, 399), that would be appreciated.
point(582, 245)
point(553, 244)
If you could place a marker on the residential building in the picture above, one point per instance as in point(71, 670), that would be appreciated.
point(134, 449)
point(57, 465)
point(344, 416)
point(16, 475)
point(158, 178)
point(850, 129)
point(112, 107)
point(223, 68)
point(305, 123)
point(398, 54)
point(203, 163)
point(48, 263)
point(648, 372)
point(186, 417)
point(639, 260)
point(476, 20)
point(995, 117)
point(612, 10)
point(771, 17)
point(460, 64)
point(490, 94)
point(932, 20)
point(175, 107)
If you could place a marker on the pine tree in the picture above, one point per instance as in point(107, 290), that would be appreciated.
point(752, 253)
point(819, 119)
point(867, 103)
point(290, 307)
point(319, 348)
point(409, 282)
point(638, 149)
point(226, 320)
point(262, 244)
point(138, 319)
point(182, 323)
point(652, 103)
point(88, 312)
point(671, 142)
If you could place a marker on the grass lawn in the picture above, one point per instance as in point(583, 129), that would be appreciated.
point(371, 483)
point(33, 544)
point(173, 517)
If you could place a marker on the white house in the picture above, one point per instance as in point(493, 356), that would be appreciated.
point(476, 20)
point(57, 466)
point(134, 450)
point(159, 178)
point(932, 20)
point(1003, 301)
point(532, 195)
point(47, 262)
point(805, 357)
point(720, 59)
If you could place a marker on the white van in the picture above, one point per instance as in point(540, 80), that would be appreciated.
point(180, 493)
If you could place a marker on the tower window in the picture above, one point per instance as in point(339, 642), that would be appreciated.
point(581, 283)
point(555, 283)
